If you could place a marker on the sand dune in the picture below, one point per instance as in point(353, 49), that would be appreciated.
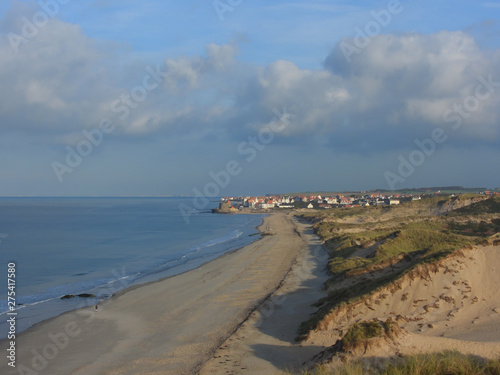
point(451, 305)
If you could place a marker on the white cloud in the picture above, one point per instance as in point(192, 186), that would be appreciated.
point(309, 6)
point(409, 81)
point(58, 80)
point(491, 5)
point(394, 90)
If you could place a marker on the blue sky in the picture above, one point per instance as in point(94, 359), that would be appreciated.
point(351, 111)
point(302, 32)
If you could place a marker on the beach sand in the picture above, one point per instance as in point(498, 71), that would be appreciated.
point(189, 323)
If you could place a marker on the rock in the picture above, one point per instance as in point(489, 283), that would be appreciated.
point(85, 295)
point(68, 296)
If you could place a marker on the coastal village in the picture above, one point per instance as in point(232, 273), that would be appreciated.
point(234, 204)
point(271, 202)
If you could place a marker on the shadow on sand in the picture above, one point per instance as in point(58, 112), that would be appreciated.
point(282, 314)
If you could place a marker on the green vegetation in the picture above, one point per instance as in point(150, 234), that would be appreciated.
point(443, 364)
point(486, 206)
point(344, 246)
point(427, 238)
point(482, 228)
point(463, 197)
point(446, 363)
point(360, 334)
point(355, 211)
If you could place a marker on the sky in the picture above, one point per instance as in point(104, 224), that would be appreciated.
point(239, 97)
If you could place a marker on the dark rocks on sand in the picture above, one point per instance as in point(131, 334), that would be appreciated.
point(83, 295)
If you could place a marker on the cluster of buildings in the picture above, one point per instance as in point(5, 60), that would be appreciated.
point(316, 201)
point(263, 203)
point(487, 192)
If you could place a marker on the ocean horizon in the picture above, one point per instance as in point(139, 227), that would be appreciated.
point(101, 245)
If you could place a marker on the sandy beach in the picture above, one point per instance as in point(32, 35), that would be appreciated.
point(189, 323)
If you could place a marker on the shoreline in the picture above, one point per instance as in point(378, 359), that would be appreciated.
point(120, 287)
point(158, 325)
point(147, 283)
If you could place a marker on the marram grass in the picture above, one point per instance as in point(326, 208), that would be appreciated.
point(446, 363)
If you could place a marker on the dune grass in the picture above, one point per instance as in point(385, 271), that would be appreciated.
point(446, 363)
point(425, 237)
point(443, 364)
point(485, 206)
point(360, 332)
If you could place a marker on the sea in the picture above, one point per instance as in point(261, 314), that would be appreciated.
point(99, 246)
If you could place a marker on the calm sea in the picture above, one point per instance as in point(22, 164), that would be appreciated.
point(101, 245)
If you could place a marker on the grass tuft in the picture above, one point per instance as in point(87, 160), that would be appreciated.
point(361, 332)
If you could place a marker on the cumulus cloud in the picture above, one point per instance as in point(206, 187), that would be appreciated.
point(411, 80)
point(186, 72)
point(59, 82)
point(56, 81)
point(396, 89)
point(312, 97)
